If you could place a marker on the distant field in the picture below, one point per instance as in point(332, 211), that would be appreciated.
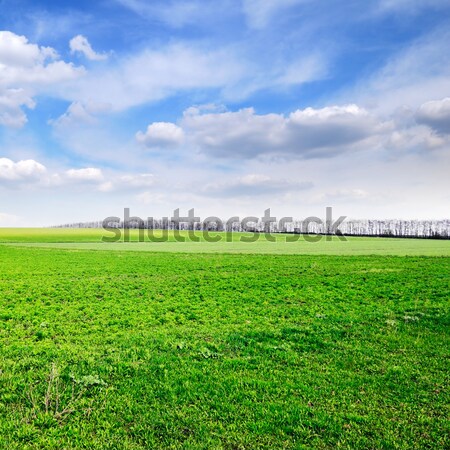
point(90, 239)
point(139, 350)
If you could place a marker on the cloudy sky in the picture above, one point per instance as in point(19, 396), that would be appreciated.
point(226, 106)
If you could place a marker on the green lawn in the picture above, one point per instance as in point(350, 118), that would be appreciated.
point(147, 350)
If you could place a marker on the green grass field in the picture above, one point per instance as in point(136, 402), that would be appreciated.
point(222, 345)
point(91, 239)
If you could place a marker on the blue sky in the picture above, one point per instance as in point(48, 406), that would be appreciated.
point(226, 106)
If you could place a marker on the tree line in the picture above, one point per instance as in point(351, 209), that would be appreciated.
point(430, 229)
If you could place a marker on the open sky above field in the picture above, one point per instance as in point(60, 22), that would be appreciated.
point(226, 106)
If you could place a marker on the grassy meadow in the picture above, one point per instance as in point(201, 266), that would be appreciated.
point(226, 345)
point(283, 244)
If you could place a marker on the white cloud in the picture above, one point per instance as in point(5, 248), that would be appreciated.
point(26, 170)
point(161, 135)
point(304, 133)
point(304, 70)
point(89, 174)
point(281, 74)
point(23, 63)
point(39, 77)
point(409, 6)
point(30, 173)
point(80, 44)
point(253, 184)
point(260, 12)
point(138, 180)
point(26, 70)
point(129, 182)
point(435, 114)
point(308, 133)
point(11, 103)
point(416, 138)
point(16, 51)
point(155, 74)
point(79, 113)
point(410, 78)
point(177, 14)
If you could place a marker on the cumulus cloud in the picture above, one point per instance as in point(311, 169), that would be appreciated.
point(24, 63)
point(80, 44)
point(435, 114)
point(26, 170)
point(161, 135)
point(26, 173)
point(16, 51)
point(416, 138)
point(303, 133)
point(32, 172)
point(26, 70)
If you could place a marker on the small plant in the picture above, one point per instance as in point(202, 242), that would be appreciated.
point(61, 398)
point(88, 381)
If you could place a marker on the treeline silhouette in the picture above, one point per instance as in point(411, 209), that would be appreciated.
point(428, 229)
